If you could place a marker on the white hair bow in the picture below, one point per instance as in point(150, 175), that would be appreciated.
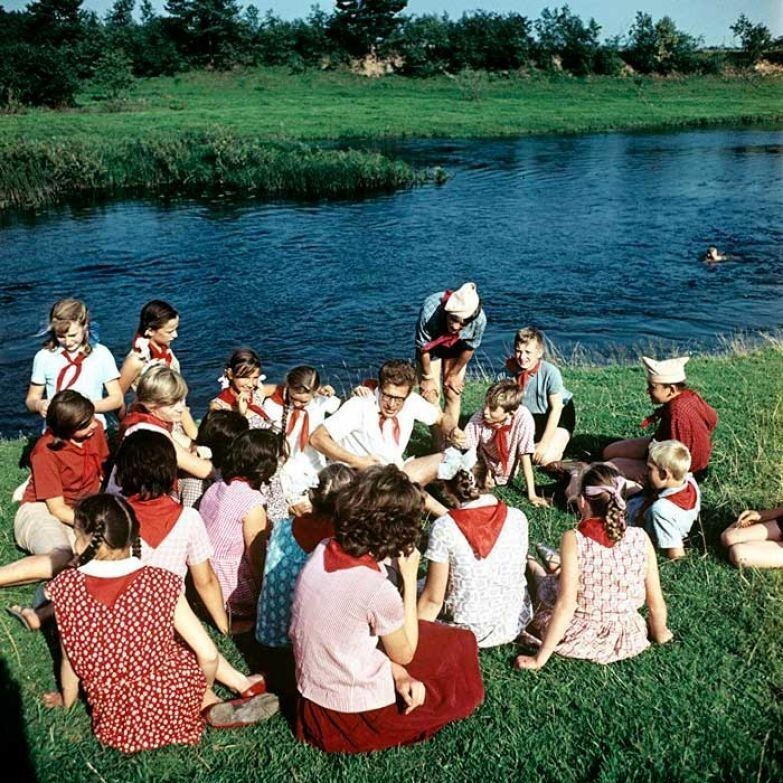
point(454, 461)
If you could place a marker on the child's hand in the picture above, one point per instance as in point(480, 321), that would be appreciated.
point(243, 400)
point(540, 453)
point(539, 502)
point(412, 691)
point(457, 437)
point(428, 388)
point(301, 507)
point(665, 637)
point(326, 390)
point(53, 699)
point(747, 517)
point(530, 662)
point(362, 391)
point(409, 565)
point(456, 384)
point(43, 407)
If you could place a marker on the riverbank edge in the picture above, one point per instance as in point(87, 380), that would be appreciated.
point(263, 133)
point(39, 173)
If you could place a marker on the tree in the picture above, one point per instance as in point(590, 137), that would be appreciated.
point(210, 32)
point(54, 22)
point(484, 40)
point(660, 47)
point(561, 33)
point(361, 26)
point(754, 39)
point(120, 14)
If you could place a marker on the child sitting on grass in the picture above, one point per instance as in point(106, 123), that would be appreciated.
point(371, 675)
point(683, 415)
point(502, 433)
point(755, 540)
point(236, 518)
point(545, 396)
point(477, 555)
point(290, 545)
point(669, 514)
point(607, 572)
point(129, 636)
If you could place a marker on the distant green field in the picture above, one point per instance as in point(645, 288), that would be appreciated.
point(273, 104)
point(706, 707)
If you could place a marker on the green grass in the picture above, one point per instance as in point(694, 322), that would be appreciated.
point(706, 707)
point(160, 139)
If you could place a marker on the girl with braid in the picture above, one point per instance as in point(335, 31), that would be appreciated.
point(477, 555)
point(128, 635)
point(608, 571)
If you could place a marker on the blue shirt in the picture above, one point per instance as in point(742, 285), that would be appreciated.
point(432, 324)
point(546, 381)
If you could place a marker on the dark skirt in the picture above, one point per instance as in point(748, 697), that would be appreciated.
point(567, 420)
point(446, 661)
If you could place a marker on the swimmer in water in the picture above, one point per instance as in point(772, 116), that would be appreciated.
point(714, 256)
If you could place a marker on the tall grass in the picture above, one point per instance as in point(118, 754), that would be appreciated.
point(706, 707)
point(33, 173)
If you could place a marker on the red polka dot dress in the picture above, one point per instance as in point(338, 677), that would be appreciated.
point(144, 686)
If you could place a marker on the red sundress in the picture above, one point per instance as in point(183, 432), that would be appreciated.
point(144, 686)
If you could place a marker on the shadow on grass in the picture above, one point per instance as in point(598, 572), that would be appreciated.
point(14, 749)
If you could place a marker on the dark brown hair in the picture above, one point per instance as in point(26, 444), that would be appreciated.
point(217, 432)
point(398, 373)
point(466, 485)
point(505, 394)
point(379, 513)
point(253, 457)
point(243, 363)
point(107, 519)
point(330, 481)
point(155, 315)
point(67, 413)
point(146, 465)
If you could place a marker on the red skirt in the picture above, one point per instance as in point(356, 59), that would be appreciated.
point(446, 661)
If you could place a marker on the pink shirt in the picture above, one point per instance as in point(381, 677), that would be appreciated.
point(224, 507)
point(336, 619)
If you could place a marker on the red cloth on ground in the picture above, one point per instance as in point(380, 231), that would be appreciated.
point(690, 420)
point(309, 530)
point(446, 661)
point(481, 526)
point(71, 472)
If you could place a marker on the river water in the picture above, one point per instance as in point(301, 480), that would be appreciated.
point(596, 239)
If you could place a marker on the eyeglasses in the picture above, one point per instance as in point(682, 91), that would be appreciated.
point(392, 398)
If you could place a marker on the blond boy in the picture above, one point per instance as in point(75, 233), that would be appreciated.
point(677, 500)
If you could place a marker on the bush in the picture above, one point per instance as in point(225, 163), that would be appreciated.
point(36, 76)
point(113, 75)
point(483, 40)
point(659, 47)
point(424, 45)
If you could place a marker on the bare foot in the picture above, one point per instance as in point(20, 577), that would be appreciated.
point(26, 615)
point(52, 699)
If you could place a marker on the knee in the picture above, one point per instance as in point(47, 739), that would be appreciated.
point(727, 538)
point(738, 556)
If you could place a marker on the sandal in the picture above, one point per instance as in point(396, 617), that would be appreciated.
point(238, 713)
point(256, 689)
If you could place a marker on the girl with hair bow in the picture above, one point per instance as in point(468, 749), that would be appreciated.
point(608, 572)
point(476, 556)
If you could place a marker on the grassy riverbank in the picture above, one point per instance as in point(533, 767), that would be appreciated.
point(706, 707)
point(162, 137)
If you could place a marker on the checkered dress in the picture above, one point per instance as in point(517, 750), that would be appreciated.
point(606, 625)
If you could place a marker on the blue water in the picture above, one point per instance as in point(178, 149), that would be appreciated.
point(595, 239)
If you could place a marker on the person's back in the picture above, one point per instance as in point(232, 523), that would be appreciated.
point(120, 640)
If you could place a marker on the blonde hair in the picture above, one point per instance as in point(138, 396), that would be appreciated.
point(64, 312)
point(671, 456)
point(160, 385)
point(530, 335)
point(505, 394)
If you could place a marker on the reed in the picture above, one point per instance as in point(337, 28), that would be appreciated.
point(43, 171)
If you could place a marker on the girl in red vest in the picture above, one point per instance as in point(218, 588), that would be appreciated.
point(151, 347)
point(243, 390)
point(68, 360)
point(479, 549)
point(131, 640)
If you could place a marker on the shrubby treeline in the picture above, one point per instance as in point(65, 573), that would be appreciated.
point(49, 49)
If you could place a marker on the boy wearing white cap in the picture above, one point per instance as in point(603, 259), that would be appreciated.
point(450, 327)
point(682, 415)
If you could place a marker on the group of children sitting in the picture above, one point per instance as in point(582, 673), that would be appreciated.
point(296, 517)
